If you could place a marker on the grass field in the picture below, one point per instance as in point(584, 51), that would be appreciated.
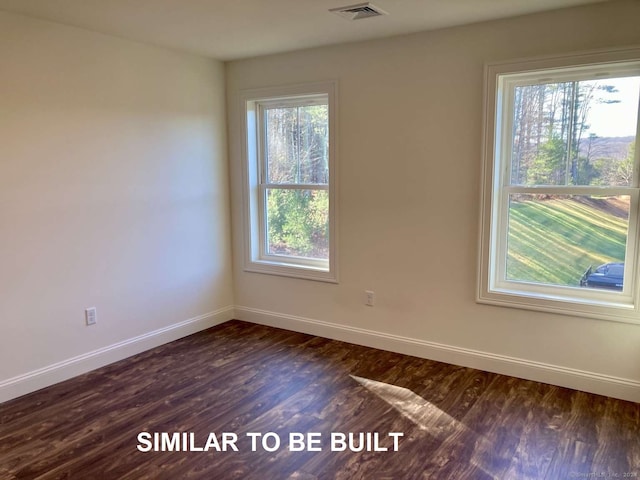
point(554, 240)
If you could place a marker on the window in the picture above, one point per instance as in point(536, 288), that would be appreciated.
point(559, 220)
point(290, 178)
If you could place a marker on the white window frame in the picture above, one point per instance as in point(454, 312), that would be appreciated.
point(256, 256)
point(493, 286)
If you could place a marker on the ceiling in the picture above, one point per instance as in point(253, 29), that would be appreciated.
point(233, 29)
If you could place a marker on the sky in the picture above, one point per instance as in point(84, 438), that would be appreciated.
point(616, 119)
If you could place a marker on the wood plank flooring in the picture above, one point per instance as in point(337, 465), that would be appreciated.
point(458, 423)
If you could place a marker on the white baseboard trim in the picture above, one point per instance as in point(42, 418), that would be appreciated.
point(622, 388)
point(58, 372)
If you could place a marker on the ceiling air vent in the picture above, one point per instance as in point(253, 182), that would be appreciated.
point(359, 11)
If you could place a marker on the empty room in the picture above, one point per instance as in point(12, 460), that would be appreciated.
point(319, 239)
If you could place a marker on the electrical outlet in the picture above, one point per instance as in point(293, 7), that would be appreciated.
point(370, 298)
point(91, 316)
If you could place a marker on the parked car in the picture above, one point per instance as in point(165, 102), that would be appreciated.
point(609, 275)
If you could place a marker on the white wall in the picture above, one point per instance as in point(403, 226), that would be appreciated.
point(113, 194)
point(410, 111)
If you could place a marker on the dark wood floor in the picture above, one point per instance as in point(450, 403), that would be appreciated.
point(458, 423)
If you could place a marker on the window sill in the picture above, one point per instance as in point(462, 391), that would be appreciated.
point(282, 269)
point(562, 305)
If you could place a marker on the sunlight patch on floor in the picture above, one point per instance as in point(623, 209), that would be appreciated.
point(431, 419)
point(424, 414)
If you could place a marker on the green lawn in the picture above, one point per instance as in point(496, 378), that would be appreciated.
point(555, 240)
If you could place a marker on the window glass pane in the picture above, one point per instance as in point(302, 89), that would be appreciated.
point(564, 239)
point(298, 223)
point(297, 144)
point(575, 133)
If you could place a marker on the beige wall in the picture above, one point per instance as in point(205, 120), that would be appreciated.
point(113, 191)
point(410, 111)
